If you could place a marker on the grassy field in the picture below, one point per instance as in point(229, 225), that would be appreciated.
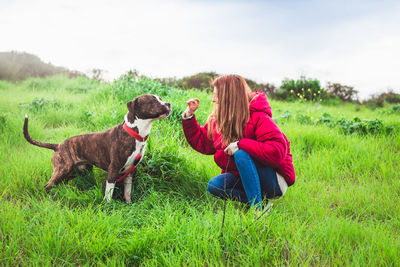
point(343, 209)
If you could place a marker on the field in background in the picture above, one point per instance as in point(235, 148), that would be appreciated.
point(343, 209)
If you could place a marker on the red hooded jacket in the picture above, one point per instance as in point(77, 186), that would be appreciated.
point(262, 139)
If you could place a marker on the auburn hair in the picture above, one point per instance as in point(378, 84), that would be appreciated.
point(231, 111)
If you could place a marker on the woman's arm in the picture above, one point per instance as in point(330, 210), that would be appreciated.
point(196, 136)
point(269, 147)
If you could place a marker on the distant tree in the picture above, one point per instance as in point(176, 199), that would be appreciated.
point(378, 100)
point(390, 97)
point(270, 89)
point(200, 80)
point(97, 74)
point(134, 73)
point(253, 85)
point(344, 92)
point(170, 81)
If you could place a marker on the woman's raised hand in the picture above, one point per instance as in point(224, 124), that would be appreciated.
point(193, 105)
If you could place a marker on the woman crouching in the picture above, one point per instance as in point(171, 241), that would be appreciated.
point(247, 145)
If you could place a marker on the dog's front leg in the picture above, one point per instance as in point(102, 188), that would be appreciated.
point(111, 179)
point(109, 191)
point(128, 188)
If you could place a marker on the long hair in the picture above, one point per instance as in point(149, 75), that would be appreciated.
point(231, 111)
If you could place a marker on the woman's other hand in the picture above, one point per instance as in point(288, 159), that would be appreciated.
point(232, 148)
point(193, 105)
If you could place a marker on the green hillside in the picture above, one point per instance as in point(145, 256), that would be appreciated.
point(343, 209)
point(17, 66)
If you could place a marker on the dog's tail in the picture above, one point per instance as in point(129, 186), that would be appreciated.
point(34, 142)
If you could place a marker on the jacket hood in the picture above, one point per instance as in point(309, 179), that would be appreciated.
point(260, 103)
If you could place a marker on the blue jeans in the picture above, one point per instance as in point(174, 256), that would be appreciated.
point(255, 181)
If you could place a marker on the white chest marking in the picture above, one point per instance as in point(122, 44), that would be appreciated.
point(143, 129)
point(140, 149)
point(143, 126)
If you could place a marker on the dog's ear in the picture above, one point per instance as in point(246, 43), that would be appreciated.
point(131, 105)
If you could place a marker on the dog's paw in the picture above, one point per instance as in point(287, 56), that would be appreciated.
point(127, 197)
point(47, 187)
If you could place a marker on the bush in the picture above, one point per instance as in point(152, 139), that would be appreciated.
point(374, 103)
point(391, 97)
point(378, 100)
point(203, 81)
point(364, 127)
point(326, 119)
point(396, 109)
point(41, 103)
point(269, 89)
point(303, 89)
point(344, 92)
point(304, 119)
point(200, 81)
point(355, 126)
point(391, 110)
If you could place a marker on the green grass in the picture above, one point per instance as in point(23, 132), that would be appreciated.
point(343, 209)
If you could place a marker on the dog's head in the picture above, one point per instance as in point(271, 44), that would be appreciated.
point(147, 107)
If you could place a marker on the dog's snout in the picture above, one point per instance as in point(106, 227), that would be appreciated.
point(168, 104)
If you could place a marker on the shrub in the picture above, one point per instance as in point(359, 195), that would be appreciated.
point(303, 89)
point(304, 119)
point(344, 92)
point(270, 89)
point(326, 119)
point(396, 109)
point(356, 125)
point(374, 102)
point(378, 100)
point(391, 110)
point(97, 74)
point(390, 97)
point(200, 80)
point(169, 81)
point(363, 126)
point(203, 81)
point(41, 103)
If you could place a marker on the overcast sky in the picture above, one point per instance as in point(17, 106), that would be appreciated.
point(356, 43)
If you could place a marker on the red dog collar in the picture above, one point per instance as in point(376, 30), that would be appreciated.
point(134, 134)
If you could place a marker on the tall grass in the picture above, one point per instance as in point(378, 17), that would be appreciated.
point(343, 208)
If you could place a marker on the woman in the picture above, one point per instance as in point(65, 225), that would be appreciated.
point(248, 146)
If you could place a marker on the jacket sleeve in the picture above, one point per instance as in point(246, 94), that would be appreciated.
point(196, 136)
point(269, 147)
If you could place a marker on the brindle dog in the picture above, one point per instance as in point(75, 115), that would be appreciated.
point(113, 150)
